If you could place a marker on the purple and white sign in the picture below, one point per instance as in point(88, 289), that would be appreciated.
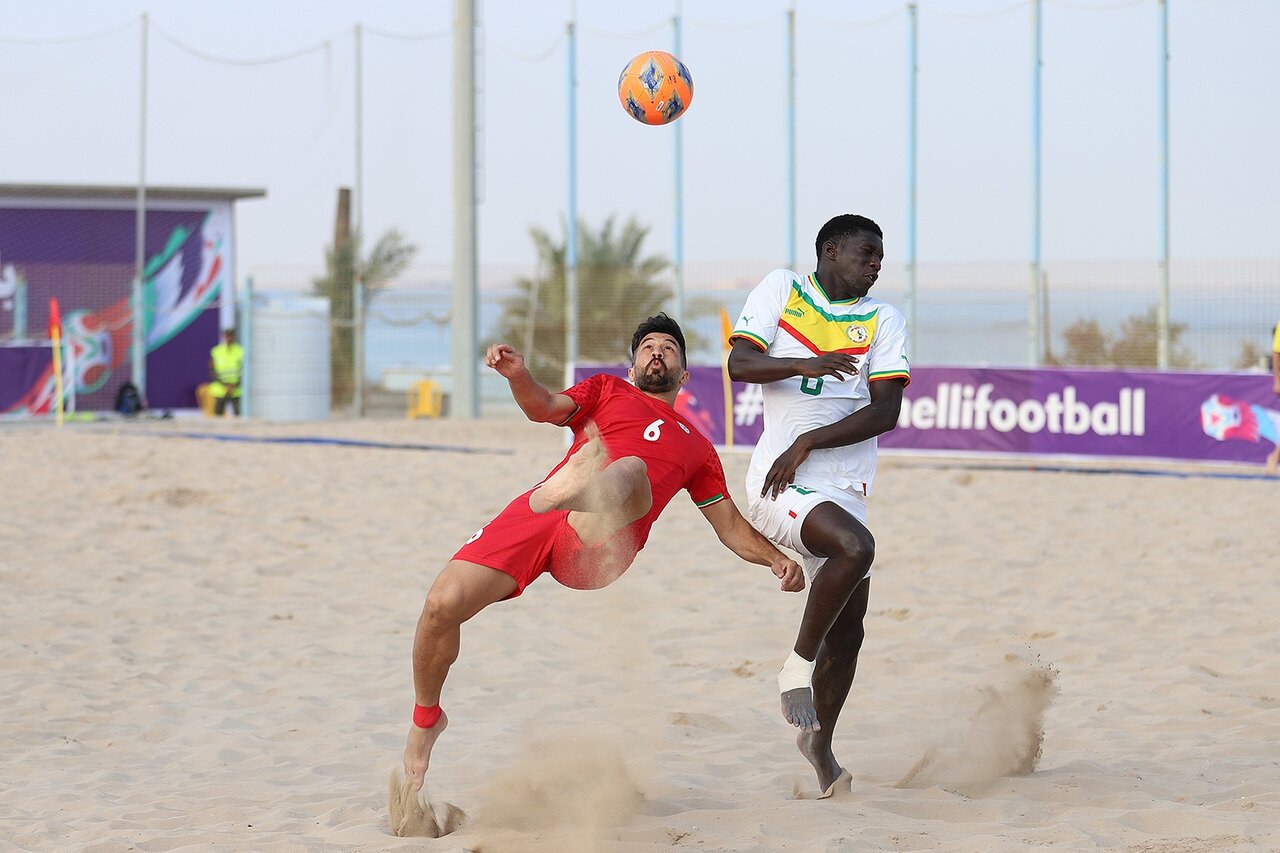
point(1079, 412)
point(1137, 414)
point(84, 256)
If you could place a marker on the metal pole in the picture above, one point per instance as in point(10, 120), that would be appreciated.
point(140, 234)
point(359, 129)
point(357, 279)
point(1047, 334)
point(913, 72)
point(791, 138)
point(1162, 314)
point(678, 251)
point(357, 318)
point(20, 311)
point(571, 239)
point(465, 399)
point(1034, 345)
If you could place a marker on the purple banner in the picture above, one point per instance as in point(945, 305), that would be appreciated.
point(83, 256)
point(21, 367)
point(1088, 413)
point(1186, 416)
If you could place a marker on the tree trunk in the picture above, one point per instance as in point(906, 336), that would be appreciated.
point(342, 224)
point(341, 340)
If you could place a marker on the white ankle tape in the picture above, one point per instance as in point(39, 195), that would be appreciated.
point(795, 673)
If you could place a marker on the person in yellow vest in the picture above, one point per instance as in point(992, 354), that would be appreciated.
point(226, 369)
point(1273, 459)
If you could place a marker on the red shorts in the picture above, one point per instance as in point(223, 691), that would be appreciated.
point(525, 544)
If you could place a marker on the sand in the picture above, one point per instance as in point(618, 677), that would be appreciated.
point(206, 646)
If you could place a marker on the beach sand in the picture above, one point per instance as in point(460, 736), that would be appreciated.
point(206, 646)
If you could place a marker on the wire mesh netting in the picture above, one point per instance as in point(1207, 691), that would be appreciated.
point(218, 116)
point(1092, 314)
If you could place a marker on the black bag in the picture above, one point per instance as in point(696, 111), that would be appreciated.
point(128, 400)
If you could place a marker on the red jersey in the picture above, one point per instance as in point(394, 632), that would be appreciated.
point(632, 423)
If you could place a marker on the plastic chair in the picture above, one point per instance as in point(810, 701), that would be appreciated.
point(425, 399)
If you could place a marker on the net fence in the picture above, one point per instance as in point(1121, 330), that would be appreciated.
point(243, 139)
point(1091, 314)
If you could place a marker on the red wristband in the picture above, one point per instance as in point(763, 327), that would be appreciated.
point(424, 717)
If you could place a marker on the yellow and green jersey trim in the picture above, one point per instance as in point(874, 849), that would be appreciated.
point(709, 501)
point(822, 331)
point(750, 338)
point(889, 374)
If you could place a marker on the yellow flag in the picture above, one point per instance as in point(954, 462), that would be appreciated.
point(726, 329)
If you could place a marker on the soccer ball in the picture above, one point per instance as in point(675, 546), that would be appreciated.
point(655, 88)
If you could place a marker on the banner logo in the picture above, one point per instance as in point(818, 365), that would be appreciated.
point(961, 406)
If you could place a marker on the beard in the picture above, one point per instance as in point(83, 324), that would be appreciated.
point(657, 381)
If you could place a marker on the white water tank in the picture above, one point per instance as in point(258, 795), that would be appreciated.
point(289, 357)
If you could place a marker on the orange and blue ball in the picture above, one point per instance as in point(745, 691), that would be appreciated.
point(655, 88)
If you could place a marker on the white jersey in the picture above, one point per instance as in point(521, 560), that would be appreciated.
point(788, 316)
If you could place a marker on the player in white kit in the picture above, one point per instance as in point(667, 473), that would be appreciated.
point(833, 364)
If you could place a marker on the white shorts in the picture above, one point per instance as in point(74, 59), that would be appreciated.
point(780, 519)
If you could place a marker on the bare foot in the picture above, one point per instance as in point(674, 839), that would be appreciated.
point(409, 815)
point(798, 710)
point(843, 784)
point(412, 814)
point(602, 497)
point(568, 488)
point(817, 751)
point(417, 750)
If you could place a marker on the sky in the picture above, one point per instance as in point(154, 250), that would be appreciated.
point(69, 113)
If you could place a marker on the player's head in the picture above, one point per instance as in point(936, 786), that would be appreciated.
point(843, 227)
point(229, 335)
point(659, 324)
point(850, 253)
point(658, 358)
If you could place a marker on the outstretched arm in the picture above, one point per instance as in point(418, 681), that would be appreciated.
point(741, 538)
point(877, 418)
point(538, 404)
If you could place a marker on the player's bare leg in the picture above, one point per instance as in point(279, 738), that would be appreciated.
point(828, 529)
point(837, 664)
point(460, 591)
point(1273, 461)
point(602, 497)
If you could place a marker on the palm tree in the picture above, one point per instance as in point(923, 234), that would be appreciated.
point(1135, 345)
point(617, 288)
point(389, 258)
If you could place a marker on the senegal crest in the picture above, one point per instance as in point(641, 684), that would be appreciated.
point(857, 333)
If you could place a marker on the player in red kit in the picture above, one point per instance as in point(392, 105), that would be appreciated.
point(632, 452)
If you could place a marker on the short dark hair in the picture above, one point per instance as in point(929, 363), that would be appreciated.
point(661, 324)
point(843, 227)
